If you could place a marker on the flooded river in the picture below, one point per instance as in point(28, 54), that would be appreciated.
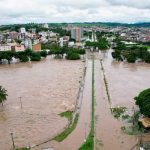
point(47, 88)
point(125, 81)
point(50, 86)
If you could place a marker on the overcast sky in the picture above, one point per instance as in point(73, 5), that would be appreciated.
point(40, 11)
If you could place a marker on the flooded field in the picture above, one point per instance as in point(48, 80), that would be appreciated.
point(125, 81)
point(47, 88)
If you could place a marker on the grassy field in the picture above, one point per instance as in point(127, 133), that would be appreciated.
point(72, 125)
point(22, 149)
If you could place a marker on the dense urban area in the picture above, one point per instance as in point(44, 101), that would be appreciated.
point(75, 86)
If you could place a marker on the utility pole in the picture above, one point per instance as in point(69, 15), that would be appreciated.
point(85, 130)
point(12, 137)
point(20, 101)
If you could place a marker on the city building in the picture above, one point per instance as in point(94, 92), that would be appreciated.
point(28, 43)
point(13, 35)
point(5, 47)
point(22, 30)
point(64, 41)
point(18, 47)
point(36, 47)
point(77, 34)
point(45, 26)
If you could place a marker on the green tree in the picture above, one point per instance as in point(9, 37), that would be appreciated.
point(131, 58)
point(43, 53)
point(8, 55)
point(35, 56)
point(143, 101)
point(72, 56)
point(3, 95)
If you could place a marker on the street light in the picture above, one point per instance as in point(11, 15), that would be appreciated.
point(85, 131)
point(20, 101)
point(12, 137)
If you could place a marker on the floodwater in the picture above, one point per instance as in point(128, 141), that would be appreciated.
point(80, 133)
point(125, 81)
point(47, 88)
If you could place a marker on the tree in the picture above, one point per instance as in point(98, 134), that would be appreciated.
point(35, 56)
point(3, 95)
point(143, 101)
point(8, 55)
point(117, 55)
point(147, 58)
point(131, 57)
point(43, 53)
point(72, 56)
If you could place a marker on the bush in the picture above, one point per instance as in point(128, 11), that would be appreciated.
point(43, 53)
point(35, 56)
point(72, 56)
point(24, 58)
point(147, 58)
point(131, 58)
point(143, 101)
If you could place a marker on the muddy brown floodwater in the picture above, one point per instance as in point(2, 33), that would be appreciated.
point(125, 81)
point(46, 88)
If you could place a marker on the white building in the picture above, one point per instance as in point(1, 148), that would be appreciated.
point(22, 30)
point(28, 43)
point(5, 47)
point(61, 42)
point(71, 44)
point(45, 26)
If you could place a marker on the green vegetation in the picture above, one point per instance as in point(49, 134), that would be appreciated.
point(89, 144)
point(118, 112)
point(69, 129)
point(143, 101)
point(102, 44)
point(72, 56)
point(131, 53)
point(35, 56)
point(135, 128)
point(67, 114)
point(23, 149)
point(3, 95)
point(22, 56)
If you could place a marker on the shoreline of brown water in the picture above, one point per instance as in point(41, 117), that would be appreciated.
point(44, 87)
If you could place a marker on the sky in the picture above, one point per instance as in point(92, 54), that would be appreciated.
point(50, 11)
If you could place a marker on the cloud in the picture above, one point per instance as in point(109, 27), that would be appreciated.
point(141, 4)
point(40, 11)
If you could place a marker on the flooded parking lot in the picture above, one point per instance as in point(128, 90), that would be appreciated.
point(46, 88)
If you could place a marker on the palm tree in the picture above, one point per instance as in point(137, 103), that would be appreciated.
point(3, 94)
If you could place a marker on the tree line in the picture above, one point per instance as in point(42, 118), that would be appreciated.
point(29, 55)
point(23, 56)
point(131, 53)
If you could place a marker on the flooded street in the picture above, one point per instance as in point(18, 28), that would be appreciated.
point(47, 88)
